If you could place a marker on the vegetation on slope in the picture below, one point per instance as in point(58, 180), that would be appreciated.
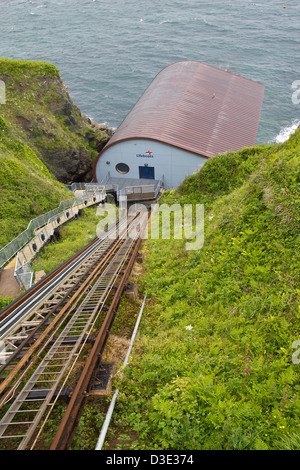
point(43, 138)
point(27, 187)
point(41, 113)
point(213, 366)
point(73, 236)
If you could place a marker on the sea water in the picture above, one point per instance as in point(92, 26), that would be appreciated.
point(109, 52)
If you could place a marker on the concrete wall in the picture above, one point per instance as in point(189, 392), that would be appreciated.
point(169, 162)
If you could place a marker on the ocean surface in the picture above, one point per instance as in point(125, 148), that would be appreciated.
point(109, 52)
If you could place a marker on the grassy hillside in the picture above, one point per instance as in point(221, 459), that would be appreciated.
point(41, 113)
point(27, 188)
point(43, 139)
point(213, 368)
point(73, 236)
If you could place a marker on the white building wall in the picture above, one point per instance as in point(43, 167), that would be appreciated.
point(170, 163)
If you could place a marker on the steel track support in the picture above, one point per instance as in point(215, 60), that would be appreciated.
point(67, 428)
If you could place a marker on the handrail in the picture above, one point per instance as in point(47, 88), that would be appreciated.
point(23, 270)
point(142, 189)
point(86, 186)
point(12, 248)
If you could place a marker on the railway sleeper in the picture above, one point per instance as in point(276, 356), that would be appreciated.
point(101, 383)
point(74, 339)
point(42, 393)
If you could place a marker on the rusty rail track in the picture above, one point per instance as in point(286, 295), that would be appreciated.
point(37, 287)
point(34, 384)
point(65, 433)
point(51, 292)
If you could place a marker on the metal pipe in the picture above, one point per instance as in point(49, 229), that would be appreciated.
point(114, 398)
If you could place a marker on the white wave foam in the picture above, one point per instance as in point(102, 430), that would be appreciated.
point(286, 132)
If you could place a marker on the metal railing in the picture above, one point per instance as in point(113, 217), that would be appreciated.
point(145, 191)
point(53, 219)
point(34, 238)
point(24, 274)
point(105, 179)
point(108, 184)
point(133, 192)
point(85, 186)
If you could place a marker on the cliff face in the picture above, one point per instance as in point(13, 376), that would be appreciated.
point(40, 111)
point(44, 141)
point(27, 188)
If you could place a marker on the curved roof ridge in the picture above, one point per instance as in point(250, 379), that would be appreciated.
point(196, 107)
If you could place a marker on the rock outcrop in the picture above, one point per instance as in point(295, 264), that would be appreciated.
point(41, 112)
point(45, 143)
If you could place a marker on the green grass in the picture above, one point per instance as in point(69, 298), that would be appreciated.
point(5, 301)
point(27, 187)
point(40, 111)
point(228, 380)
point(73, 236)
point(38, 121)
point(21, 69)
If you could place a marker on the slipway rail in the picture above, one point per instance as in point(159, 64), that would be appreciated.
point(109, 413)
point(41, 297)
point(47, 344)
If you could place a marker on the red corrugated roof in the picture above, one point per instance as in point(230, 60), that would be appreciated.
point(195, 107)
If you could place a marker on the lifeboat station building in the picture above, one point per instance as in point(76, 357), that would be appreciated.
point(190, 112)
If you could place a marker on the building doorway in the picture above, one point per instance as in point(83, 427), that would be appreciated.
point(146, 172)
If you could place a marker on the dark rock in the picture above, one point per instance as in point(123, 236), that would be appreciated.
point(61, 136)
point(25, 124)
point(69, 165)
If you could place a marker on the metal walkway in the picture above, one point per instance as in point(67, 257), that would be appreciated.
point(131, 188)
